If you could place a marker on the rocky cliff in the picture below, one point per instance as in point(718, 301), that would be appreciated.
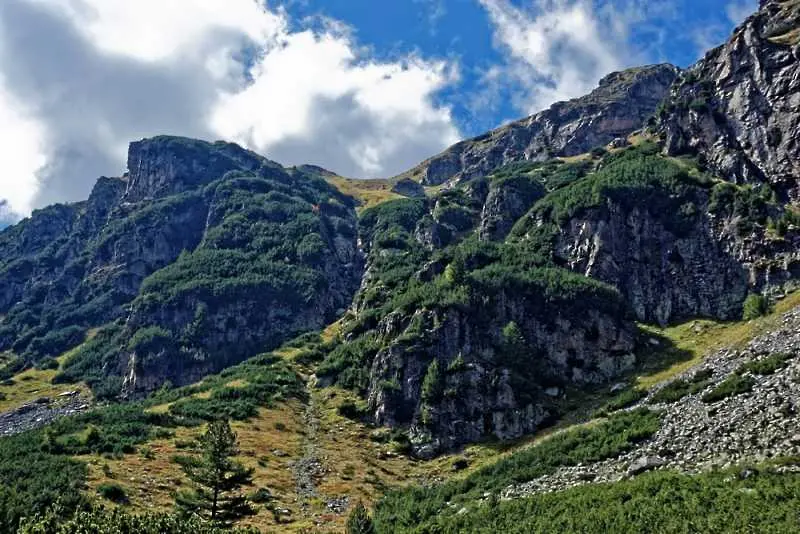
point(739, 106)
point(466, 311)
point(202, 253)
point(620, 104)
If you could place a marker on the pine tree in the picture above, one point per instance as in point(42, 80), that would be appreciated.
point(216, 478)
point(359, 521)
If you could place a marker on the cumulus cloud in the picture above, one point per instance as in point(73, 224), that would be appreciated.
point(79, 79)
point(559, 49)
point(738, 10)
point(371, 118)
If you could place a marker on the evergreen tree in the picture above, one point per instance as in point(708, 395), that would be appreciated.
point(359, 521)
point(216, 478)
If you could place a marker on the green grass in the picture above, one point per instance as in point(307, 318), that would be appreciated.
point(419, 505)
point(733, 385)
point(659, 502)
point(683, 346)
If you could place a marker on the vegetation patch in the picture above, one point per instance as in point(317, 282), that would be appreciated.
point(235, 393)
point(625, 399)
point(733, 385)
point(677, 389)
point(755, 306)
point(417, 506)
point(654, 502)
point(766, 366)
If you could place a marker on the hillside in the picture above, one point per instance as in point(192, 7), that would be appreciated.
point(526, 324)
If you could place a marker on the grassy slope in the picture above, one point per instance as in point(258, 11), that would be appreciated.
point(33, 384)
point(700, 337)
point(358, 465)
point(368, 192)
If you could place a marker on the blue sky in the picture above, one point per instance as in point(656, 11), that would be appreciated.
point(363, 87)
point(676, 31)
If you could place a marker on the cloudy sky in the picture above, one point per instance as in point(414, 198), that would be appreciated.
point(363, 87)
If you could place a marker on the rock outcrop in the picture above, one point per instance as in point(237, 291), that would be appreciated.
point(663, 274)
point(278, 249)
point(743, 428)
point(480, 390)
point(739, 106)
point(621, 104)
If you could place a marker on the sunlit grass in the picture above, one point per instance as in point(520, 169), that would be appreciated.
point(34, 384)
point(701, 337)
point(369, 192)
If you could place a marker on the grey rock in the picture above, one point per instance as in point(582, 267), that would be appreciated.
point(746, 111)
point(620, 105)
point(409, 188)
point(645, 463)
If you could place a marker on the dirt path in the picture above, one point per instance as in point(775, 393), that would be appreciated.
point(309, 469)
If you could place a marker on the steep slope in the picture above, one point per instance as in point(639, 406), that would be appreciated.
point(621, 104)
point(212, 252)
point(674, 240)
point(728, 412)
point(740, 105)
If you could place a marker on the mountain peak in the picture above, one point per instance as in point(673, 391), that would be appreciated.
point(618, 106)
point(163, 165)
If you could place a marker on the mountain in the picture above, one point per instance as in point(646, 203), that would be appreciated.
point(623, 249)
point(201, 255)
point(738, 106)
point(620, 105)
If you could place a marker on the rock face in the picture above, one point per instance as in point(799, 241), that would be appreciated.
point(740, 105)
point(479, 393)
point(239, 249)
point(662, 274)
point(165, 165)
point(408, 188)
point(621, 104)
point(694, 436)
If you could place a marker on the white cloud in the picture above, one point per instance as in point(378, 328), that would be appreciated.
point(559, 49)
point(21, 158)
point(738, 10)
point(85, 77)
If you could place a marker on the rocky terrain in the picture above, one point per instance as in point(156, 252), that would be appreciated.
point(621, 104)
point(41, 412)
point(695, 436)
point(368, 335)
point(738, 106)
point(200, 256)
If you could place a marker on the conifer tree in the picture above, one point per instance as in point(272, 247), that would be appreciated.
point(359, 521)
point(216, 478)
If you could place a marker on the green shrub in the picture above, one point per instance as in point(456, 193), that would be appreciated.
point(406, 509)
point(47, 364)
point(699, 105)
point(661, 501)
point(679, 388)
point(733, 385)
point(755, 306)
point(268, 379)
point(432, 383)
point(55, 342)
point(351, 410)
point(765, 366)
point(625, 399)
point(151, 339)
point(118, 521)
point(112, 492)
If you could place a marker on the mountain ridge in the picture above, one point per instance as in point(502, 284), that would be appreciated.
point(491, 292)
